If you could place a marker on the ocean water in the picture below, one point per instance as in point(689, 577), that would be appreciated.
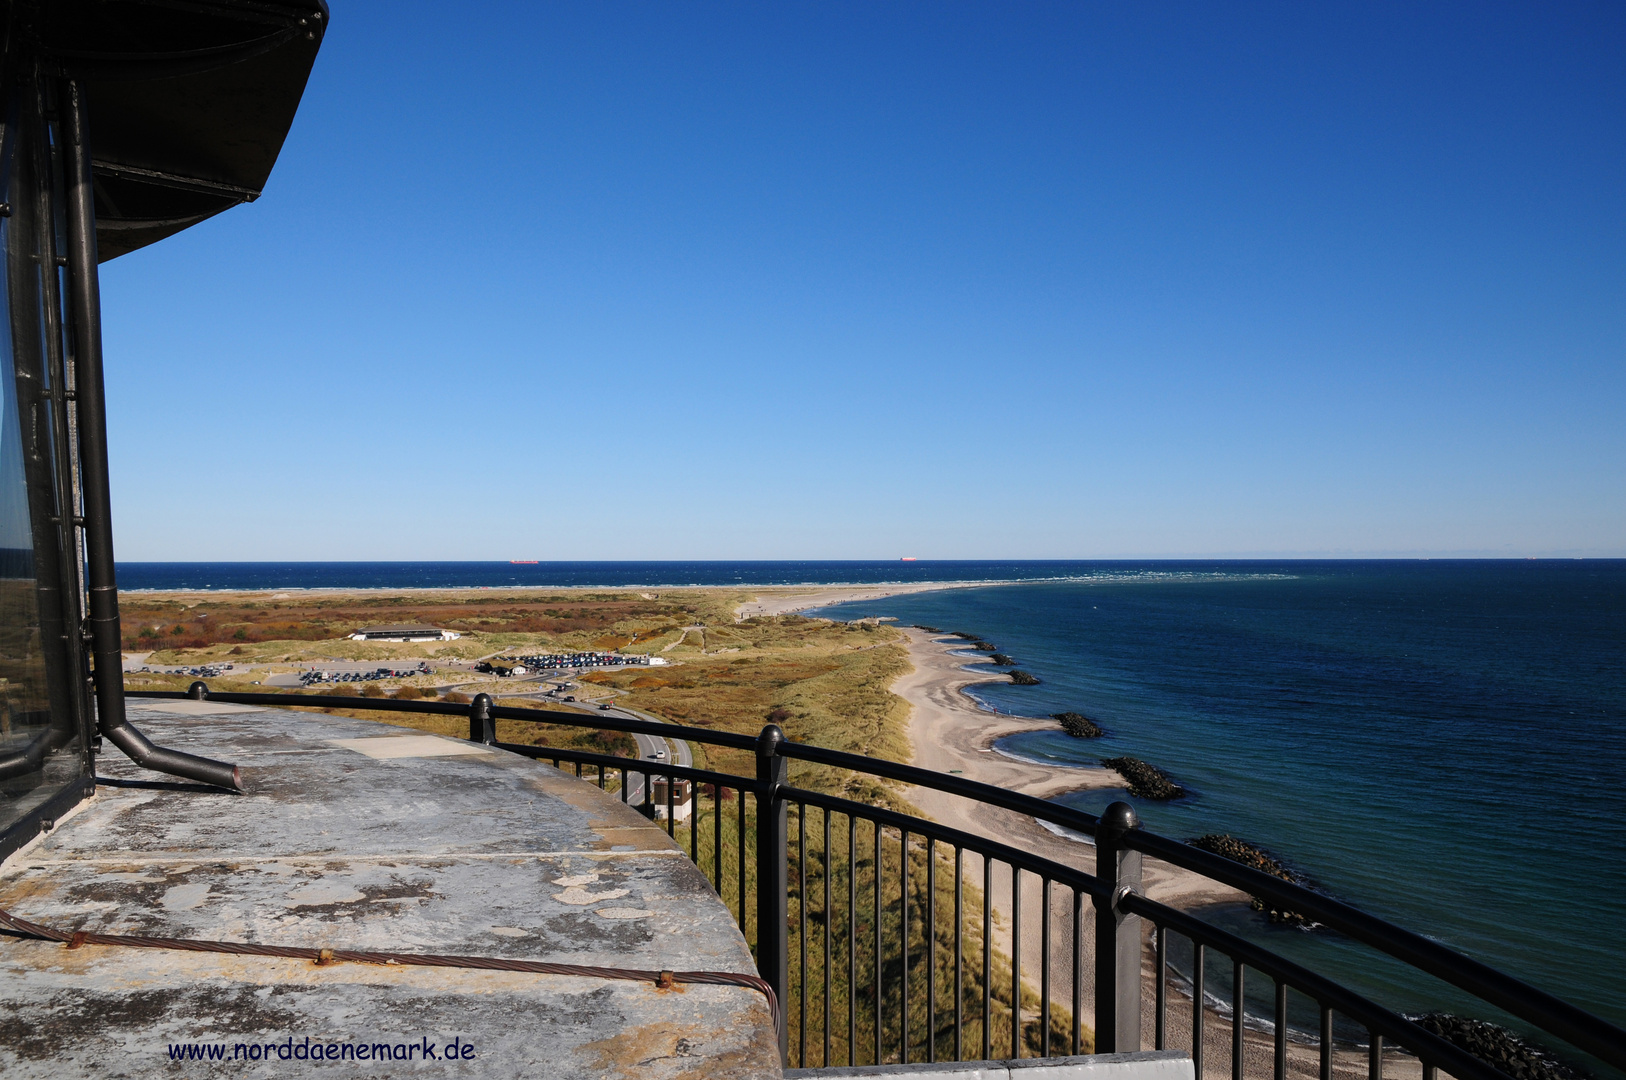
point(134, 576)
point(1442, 743)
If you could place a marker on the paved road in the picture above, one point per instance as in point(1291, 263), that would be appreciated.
point(651, 747)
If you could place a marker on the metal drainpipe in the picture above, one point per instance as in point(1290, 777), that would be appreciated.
point(103, 614)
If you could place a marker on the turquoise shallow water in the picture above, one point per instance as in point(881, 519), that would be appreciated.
point(1440, 743)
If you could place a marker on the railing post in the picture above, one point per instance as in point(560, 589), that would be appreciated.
point(198, 691)
point(482, 728)
point(773, 888)
point(1117, 936)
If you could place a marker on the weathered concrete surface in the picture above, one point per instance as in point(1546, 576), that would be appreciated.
point(358, 835)
point(1148, 1065)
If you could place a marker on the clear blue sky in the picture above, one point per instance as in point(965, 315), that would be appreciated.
point(771, 280)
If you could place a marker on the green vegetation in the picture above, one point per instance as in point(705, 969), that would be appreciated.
point(847, 926)
point(256, 627)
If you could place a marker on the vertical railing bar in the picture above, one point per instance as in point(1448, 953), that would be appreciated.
point(1198, 953)
point(1374, 1058)
point(739, 862)
point(852, 941)
point(626, 779)
point(829, 925)
point(1238, 1003)
point(987, 958)
point(801, 931)
point(601, 776)
point(1281, 1031)
point(1430, 1071)
point(931, 949)
point(771, 875)
point(717, 838)
point(1161, 985)
point(903, 921)
point(671, 806)
point(959, 952)
point(877, 928)
point(1016, 961)
point(1326, 1043)
point(1078, 966)
point(578, 770)
point(1044, 968)
point(694, 823)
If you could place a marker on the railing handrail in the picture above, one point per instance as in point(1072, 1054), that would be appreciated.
point(1458, 1063)
point(1575, 1025)
point(630, 765)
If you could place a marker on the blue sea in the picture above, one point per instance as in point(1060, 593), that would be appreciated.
point(1442, 743)
point(494, 575)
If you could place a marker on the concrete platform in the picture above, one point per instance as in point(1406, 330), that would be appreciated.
point(1146, 1065)
point(357, 835)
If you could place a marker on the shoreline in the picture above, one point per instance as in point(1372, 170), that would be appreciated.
point(949, 733)
point(806, 597)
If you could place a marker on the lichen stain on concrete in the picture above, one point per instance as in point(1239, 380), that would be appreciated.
point(669, 1051)
point(580, 930)
point(41, 1030)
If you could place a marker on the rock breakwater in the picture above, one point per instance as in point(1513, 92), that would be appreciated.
point(1078, 725)
point(1145, 781)
point(1257, 858)
point(1496, 1047)
point(1022, 678)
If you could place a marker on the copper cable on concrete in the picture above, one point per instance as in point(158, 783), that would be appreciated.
point(663, 979)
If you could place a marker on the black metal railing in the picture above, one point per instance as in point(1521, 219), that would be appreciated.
point(899, 957)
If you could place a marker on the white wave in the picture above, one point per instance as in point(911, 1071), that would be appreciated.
point(1068, 834)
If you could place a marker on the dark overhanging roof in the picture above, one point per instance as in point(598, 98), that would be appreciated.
point(188, 101)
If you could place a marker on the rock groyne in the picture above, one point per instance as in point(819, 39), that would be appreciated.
point(1256, 858)
point(1496, 1047)
point(1145, 781)
point(1078, 725)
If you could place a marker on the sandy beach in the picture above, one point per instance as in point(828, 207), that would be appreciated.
point(791, 599)
point(950, 732)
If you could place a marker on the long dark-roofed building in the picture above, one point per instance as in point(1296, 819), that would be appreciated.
point(404, 632)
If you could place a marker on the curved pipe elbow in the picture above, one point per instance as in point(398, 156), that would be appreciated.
point(146, 754)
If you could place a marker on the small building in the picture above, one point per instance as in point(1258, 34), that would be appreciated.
point(404, 632)
point(681, 792)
